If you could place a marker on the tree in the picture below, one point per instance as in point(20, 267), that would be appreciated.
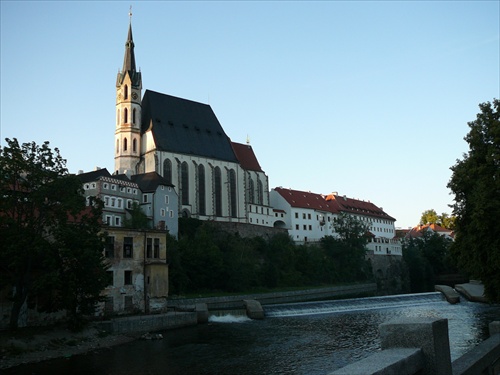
point(137, 219)
point(475, 182)
point(347, 251)
point(429, 217)
point(50, 249)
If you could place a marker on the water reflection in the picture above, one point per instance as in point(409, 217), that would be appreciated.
point(303, 344)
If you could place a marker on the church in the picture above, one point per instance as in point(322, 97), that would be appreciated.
point(183, 141)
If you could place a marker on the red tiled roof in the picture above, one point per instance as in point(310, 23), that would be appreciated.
point(246, 157)
point(331, 203)
point(303, 199)
point(356, 206)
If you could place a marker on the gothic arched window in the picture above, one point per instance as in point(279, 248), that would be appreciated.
point(125, 116)
point(125, 94)
point(133, 116)
point(232, 192)
point(134, 145)
point(201, 190)
point(251, 191)
point(167, 170)
point(117, 146)
point(260, 192)
point(125, 144)
point(218, 191)
point(185, 183)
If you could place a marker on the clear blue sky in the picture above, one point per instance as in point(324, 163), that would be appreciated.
point(367, 98)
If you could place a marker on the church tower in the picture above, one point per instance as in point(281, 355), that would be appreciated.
point(128, 111)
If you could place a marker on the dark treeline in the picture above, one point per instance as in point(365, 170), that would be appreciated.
point(428, 260)
point(206, 258)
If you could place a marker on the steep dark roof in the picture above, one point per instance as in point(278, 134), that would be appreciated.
point(185, 127)
point(246, 157)
point(94, 175)
point(149, 182)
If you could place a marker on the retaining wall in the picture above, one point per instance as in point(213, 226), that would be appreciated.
point(147, 323)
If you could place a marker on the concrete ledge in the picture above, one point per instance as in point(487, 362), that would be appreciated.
point(254, 309)
point(201, 313)
point(449, 293)
point(473, 291)
point(387, 362)
point(148, 323)
point(431, 335)
point(479, 358)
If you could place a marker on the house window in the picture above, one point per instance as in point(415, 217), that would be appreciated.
point(127, 278)
point(109, 249)
point(144, 198)
point(105, 185)
point(305, 227)
point(296, 215)
point(156, 248)
point(127, 247)
point(171, 213)
point(129, 203)
point(309, 216)
point(119, 202)
point(162, 212)
point(113, 202)
point(149, 247)
point(310, 227)
point(113, 187)
point(110, 278)
point(303, 216)
point(108, 220)
point(166, 199)
point(117, 221)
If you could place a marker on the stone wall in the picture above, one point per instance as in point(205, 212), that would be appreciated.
point(391, 274)
point(248, 230)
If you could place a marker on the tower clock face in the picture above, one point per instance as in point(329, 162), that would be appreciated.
point(134, 95)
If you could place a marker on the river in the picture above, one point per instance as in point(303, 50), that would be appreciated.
point(305, 338)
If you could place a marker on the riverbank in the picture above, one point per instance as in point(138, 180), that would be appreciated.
point(36, 344)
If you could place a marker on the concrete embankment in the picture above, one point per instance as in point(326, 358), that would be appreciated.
point(473, 291)
point(147, 323)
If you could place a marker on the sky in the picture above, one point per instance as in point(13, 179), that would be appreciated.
point(370, 99)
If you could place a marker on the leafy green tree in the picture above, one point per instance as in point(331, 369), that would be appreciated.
point(50, 249)
point(429, 217)
point(136, 218)
point(475, 182)
point(348, 248)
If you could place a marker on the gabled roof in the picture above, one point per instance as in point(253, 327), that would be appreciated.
point(94, 175)
point(149, 182)
point(358, 207)
point(303, 199)
point(185, 127)
point(246, 157)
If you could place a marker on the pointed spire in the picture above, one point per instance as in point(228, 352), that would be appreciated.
point(129, 60)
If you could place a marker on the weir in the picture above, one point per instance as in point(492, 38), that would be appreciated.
point(352, 305)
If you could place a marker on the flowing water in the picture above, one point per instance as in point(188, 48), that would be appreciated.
point(300, 338)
